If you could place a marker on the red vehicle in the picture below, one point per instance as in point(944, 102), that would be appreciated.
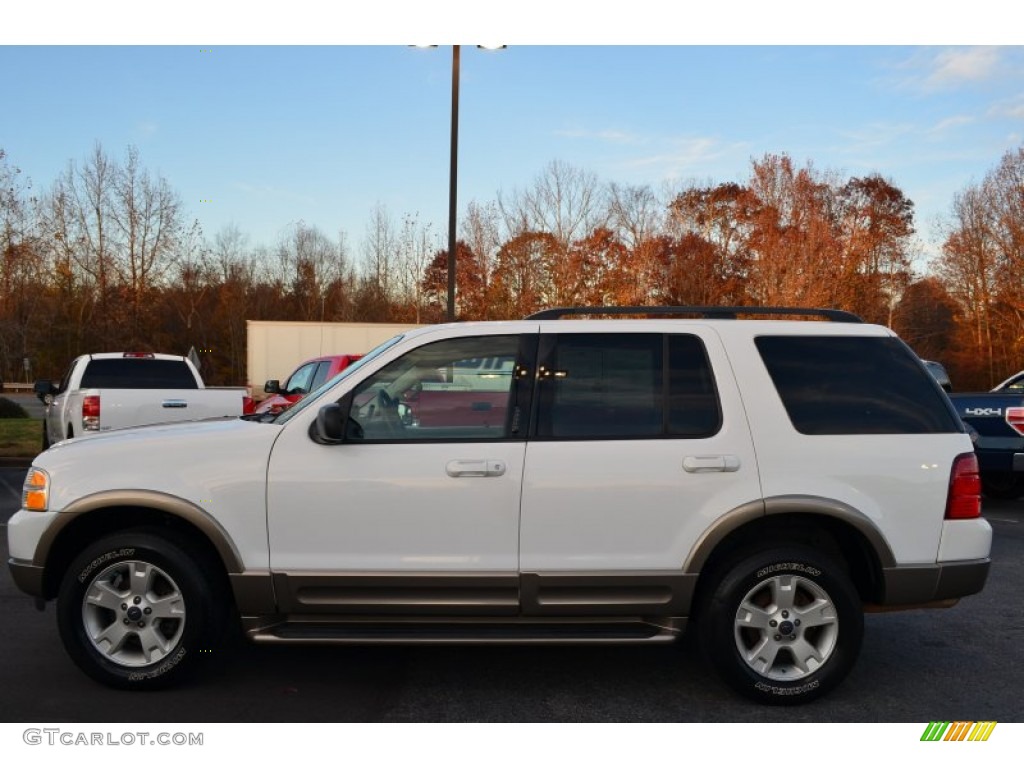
point(304, 379)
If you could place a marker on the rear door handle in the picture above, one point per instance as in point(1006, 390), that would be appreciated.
point(717, 463)
point(175, 404)
point(475, 468)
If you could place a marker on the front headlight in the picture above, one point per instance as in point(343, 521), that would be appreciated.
point(35, 494)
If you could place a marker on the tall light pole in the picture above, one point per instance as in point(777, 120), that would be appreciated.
point(453, 182)
point(453, 174)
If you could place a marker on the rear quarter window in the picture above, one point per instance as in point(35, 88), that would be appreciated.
point(843, 385)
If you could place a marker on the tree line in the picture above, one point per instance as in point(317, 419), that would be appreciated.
point(107, 258)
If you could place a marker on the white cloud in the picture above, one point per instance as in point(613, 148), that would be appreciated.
point(684, 157)
point(931, 69)
point(951, 123)
point(955, 66)
point(1011, 108)
point(673, 157)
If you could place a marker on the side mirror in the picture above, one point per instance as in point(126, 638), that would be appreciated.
point(44, 389)
point(272, 387)
point(329, 426)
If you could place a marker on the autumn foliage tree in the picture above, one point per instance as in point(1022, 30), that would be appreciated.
point(982, 267)
point(107, 258)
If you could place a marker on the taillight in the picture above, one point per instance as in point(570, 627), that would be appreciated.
point(964, 500)
point(91, 412)
point(1015, 418)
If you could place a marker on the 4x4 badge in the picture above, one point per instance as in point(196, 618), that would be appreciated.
point(983, 411)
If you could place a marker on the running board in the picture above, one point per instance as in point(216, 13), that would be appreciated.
point(483, 632)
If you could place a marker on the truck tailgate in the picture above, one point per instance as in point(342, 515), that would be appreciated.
point(135, 407)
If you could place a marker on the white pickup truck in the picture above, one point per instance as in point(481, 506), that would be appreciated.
point(125, 389)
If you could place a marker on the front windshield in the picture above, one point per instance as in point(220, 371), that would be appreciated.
point(288, 413)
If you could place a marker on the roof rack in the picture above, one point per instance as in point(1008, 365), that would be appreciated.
point(716, 313)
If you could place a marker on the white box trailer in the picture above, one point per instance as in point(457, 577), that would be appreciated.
point(275, 348)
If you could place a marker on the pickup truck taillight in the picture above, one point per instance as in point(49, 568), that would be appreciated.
point(1015, 418)
point(964, 500)
point(91, 412)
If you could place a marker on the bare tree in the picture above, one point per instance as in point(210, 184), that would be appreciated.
point(564, 202)
point(88, 190)
point(480, 233)
point(312, 263)
point(146, 213)
point(22, 271)
point(380, 247)
point(416, 246)
point(637, 218)
point(236, 276)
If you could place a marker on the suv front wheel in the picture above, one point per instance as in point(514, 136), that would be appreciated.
point(136, 610)
point(783, 626)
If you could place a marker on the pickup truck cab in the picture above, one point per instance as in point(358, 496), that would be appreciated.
point(763, 481)
point(304, 379)
point(114, 390)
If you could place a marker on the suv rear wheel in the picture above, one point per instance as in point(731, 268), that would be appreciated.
point(135, 610)
point(783, 626)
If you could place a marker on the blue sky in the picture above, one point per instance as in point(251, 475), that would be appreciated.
point(270, 135)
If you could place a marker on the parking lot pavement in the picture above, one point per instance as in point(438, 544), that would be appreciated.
point(11, 480)
point(32, 404)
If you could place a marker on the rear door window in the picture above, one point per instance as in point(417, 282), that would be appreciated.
point(626, 386)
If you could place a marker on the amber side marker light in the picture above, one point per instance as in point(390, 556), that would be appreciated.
point(35, 495)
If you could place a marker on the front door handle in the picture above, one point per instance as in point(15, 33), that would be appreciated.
point(717, 463)
point(174, 404)
point(475, 468)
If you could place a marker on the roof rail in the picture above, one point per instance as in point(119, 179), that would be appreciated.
point(716, 313)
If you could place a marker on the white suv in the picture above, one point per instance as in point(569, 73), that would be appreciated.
point(544, 480)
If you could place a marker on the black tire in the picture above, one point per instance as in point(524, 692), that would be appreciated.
point(156, 610)
point(817, 630)
point(71, 433)
point(46, 437)
point(1002, 485)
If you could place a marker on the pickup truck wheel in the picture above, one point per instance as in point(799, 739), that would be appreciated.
point(135, 611)
point(46, 437)
point(783, 626)
point(1002, 485)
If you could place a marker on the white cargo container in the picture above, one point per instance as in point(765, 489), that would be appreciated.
point(275, 348)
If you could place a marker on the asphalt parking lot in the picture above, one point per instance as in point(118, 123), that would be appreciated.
point(32, 404)
point(916, 666)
